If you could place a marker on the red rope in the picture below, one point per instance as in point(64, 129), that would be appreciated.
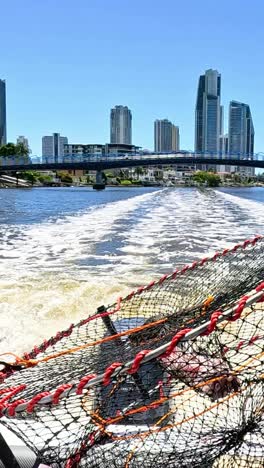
point(109, 371)
point(260, 287)
point(73, 461)
point(213, 321)
point(163, 278)
point(59, 391)
point(12, 391)
point(239, 309)
point(6, 390)
point(83, 382)
point(137, 361)
point(34, 401)
point(12, 407)
point(175, 341)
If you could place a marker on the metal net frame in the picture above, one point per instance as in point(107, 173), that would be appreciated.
point(169, 376)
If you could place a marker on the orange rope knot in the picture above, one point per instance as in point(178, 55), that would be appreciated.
point(207, 302)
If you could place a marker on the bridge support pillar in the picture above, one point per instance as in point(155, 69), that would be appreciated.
point(99, 181)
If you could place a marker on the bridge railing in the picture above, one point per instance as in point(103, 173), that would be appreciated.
point(75, 158)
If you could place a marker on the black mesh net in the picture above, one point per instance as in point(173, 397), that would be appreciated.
point(170, 376)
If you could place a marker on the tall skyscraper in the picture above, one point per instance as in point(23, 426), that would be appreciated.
point(53, 147)
point(208, 112)
point(23, 140)
point(241, 135)
point(2, 112)
point(166, 136)
point(175, 138)
point(241, 130)
point(121, 125)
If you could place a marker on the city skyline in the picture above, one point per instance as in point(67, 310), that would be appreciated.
point(131, 64)
point(209, 125)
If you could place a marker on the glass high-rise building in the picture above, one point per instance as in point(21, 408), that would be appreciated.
point(208, 113)
point(121, 125)
point(53, 148)
point(241, 130)
point(241, 135)
point(166, 136)
point(2, 112)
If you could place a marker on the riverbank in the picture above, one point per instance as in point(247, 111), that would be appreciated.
point(158, 185)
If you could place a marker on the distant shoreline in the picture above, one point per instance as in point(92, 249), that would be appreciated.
point(133, 186)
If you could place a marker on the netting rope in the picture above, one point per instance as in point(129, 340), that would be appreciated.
point(172, 375)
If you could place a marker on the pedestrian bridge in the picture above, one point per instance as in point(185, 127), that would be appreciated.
point(99, 163)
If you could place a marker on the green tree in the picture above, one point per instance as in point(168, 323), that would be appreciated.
point(8, 150)
point(123, 173)
point(237, 178)
point(45, 179)
point(21, 150)
point(139, 171)
point(30, 176)
point(126, 182)
point(207, 178)
point(67, 179)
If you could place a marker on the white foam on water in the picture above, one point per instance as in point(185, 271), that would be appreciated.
point(49, 243)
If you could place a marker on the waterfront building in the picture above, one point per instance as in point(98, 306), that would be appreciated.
point(241, 135)
point(53, 148)
point(121, 125)
point(78, 149)
point(208, 113)
point(75, 151)
point(23, 140)
point(2, 112)
point(241, 130)
point(166, 136)
point(121, 149)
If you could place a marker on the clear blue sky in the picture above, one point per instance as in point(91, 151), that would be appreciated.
point(68, 62)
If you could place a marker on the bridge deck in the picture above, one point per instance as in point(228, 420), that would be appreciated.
point(98, 163)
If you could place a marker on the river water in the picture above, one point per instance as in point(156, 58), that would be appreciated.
point(66, 251)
